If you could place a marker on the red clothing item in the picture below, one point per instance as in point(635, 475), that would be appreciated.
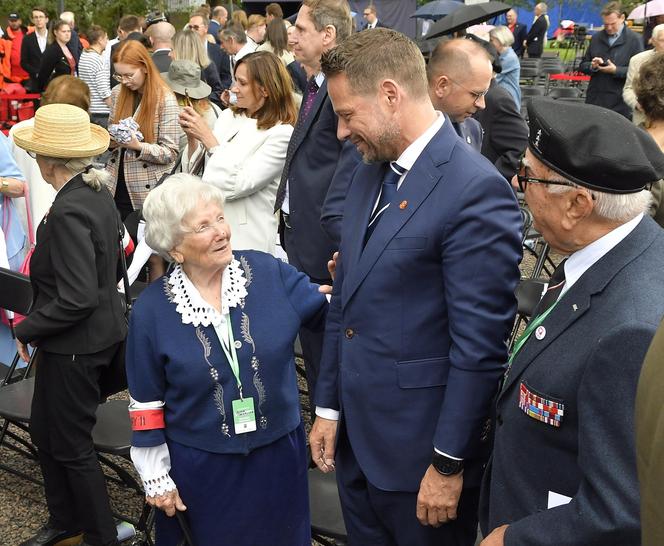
point(17, 72)
point(70, 60)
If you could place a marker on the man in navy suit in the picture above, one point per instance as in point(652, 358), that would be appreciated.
point(318, 166)
point(423, 302)
point(459, 74)
point(371, 17)
point(563, 468)
point(519, 30)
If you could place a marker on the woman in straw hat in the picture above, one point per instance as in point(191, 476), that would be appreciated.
point(76, 322)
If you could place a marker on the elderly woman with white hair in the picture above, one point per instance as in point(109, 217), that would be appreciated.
point(215, 411)
point(502, 39)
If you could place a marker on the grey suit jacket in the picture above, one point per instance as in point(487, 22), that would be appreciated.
point(587, 360)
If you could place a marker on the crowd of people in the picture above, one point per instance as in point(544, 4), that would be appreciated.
point(312, 181)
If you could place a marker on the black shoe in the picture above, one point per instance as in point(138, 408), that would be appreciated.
point(49, 536)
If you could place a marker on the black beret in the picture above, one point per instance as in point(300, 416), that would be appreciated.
point(592, 146)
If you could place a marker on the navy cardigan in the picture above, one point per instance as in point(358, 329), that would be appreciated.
point(175, 362)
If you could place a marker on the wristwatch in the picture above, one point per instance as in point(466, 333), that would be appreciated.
point(4, 185)
point(446, 465)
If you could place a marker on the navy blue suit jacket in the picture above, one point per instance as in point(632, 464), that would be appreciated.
point(471, 133)
point(520, 34)
point(321, 165)
point(414, 342)
point(589, 360)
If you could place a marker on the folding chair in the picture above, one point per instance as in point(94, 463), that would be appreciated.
point(565, 92)
point(15, 390)
point(327, 522)
point(528, 294)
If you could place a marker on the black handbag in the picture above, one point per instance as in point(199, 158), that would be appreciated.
point(187, 539)
point(113, 378)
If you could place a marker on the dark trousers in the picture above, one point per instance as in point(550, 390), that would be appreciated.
point(63, 416)
point(388, 518)
point(312, 342)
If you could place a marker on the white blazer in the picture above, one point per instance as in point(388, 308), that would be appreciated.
point(247, 167)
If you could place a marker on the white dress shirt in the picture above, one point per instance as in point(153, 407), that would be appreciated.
point(582, 260)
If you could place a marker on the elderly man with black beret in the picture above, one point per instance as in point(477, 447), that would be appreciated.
point(563, 469)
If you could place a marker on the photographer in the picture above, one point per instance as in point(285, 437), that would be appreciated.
point(607, 59)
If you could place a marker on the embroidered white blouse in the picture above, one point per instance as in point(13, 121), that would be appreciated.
point(154, 463)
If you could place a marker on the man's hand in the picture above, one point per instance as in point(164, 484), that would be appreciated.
point(438, 497)
point(609, 68)
point(495, 537)
point(169, 502)
point(332, 268)
point(321, 439)
point(596, 62)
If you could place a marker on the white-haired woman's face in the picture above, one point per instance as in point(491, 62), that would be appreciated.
point(205, 247)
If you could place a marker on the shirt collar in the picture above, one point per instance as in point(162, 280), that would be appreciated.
point(409, 156)
point(320, 78)
point(582, 260)
point(617, 34)
point(191, 306)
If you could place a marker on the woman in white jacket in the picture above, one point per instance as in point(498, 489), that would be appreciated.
point(244, 154)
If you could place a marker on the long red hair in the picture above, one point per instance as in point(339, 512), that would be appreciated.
point(133, 53)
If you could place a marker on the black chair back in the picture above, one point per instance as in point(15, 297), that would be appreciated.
point(15, 291)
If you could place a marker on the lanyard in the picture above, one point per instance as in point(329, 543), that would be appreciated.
point(529, 330)
point(232, 355)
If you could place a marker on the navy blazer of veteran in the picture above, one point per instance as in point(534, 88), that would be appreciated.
point(589, 362)
point(414, 342)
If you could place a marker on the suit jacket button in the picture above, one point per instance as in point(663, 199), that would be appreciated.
point(112, 160)
point(145, 165)
point(349, 333)
point(147, 186)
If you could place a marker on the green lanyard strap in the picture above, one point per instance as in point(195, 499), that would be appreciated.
point(532, 326)
point(232, 355)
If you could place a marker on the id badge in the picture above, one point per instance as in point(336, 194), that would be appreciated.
point(244, 416)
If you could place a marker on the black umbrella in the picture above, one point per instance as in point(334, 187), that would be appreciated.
point(467, 16)
point(437, 9)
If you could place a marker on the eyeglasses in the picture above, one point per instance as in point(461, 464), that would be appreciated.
point(477, 96)
point(524, 180)
point(122, 77)
point(206, 228)
point(193, 27)
point(33, 155)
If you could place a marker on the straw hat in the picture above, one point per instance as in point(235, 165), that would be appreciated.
point(62, 130)
point(184, 77)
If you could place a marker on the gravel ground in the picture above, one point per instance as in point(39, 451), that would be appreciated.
point(22, 505)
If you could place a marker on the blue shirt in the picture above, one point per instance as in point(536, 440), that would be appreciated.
point(509, 77)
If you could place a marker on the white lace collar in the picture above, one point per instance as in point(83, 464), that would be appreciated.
point(194, 309)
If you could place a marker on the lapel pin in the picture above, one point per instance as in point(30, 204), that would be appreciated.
point(540, 333)
point(574, 306)
point(469, 140)
point(403, 205)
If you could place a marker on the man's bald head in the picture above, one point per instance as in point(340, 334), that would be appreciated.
point(455, 58)
point(161, 34)
point(459, 74)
